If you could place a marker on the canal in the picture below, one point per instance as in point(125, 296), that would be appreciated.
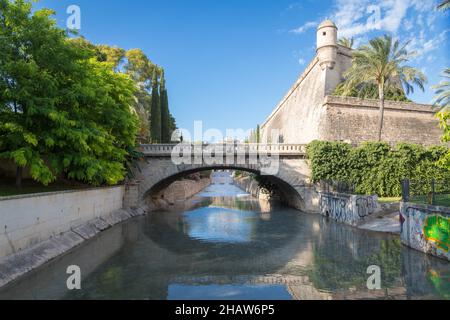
point(225, 244)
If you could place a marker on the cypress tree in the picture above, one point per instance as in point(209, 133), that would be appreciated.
point(258, 134)
point(155, 113)
point(165, 115)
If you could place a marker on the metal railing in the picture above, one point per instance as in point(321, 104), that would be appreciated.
point(433, 192)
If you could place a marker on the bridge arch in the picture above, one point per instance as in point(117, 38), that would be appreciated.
point(157, 171)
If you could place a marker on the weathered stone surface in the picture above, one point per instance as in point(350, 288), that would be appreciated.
point(18, 264)
point(308, 112)
point(100, 224)
point(30, 219)
point(86, 231)
point(347, 208)
point(426, 228)
point(113, 218)
point(14, 266)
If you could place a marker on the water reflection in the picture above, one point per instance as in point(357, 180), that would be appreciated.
point(237, 248)
point(220, 225)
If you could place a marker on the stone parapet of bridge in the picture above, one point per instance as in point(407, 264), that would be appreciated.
point(284, 165)
point(167, 150)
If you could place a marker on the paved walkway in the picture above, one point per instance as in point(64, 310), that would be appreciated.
point(388, 223)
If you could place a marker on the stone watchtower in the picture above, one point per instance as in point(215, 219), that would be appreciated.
point(309, 111)
point(327, 44)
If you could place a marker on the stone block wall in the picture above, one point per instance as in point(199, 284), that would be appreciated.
point(347, 208)
point(131, 196)
point(426, 228)
point(308, 112)
point(355, 120)
point(184, 189)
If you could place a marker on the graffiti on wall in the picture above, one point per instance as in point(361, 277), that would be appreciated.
point(426, 230)
point(348, 209)
point(436, 229)
point(365, 206)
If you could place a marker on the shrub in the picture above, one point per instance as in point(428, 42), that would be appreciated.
point(375, 168)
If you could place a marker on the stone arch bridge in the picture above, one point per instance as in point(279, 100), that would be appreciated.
point(283, 165)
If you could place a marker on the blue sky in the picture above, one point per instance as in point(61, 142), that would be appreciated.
point(229, 62)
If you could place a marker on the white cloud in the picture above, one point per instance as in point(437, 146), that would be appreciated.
point(423, 45)
point(408, 24)
point(295, 5)
point(301, 61)
point(305, 27)
point(357, 17)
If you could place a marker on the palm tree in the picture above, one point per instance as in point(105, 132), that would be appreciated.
point(347, 42)
point(444, 5)
point(381, 62)
point(443, 91)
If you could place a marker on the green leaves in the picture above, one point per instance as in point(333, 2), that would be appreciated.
point(63, 109)
point(381, 62)
point(374, 167)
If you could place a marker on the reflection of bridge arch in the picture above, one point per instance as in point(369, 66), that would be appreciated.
point(167, 230)
point(158, 171)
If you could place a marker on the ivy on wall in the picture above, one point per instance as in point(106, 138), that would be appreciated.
point(376, 168)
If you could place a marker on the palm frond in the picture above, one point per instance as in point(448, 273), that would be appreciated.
point(444, 5)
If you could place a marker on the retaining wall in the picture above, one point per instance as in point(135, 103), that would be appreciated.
point(40, 227)
point(426, 228)
point(185, 189)
point(347, 208)
point(29, 219)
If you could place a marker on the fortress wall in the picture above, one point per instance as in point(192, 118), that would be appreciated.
point(335, 76)
point(356, 120)
point(298, 114)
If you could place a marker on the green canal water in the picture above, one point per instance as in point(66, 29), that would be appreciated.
point(224, 244)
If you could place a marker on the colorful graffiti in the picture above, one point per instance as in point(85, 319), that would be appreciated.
point(437, 229)
point(426, 228)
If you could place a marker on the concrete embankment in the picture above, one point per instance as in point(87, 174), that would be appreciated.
point(38, 228)
point(177, 193)
point(251, 186)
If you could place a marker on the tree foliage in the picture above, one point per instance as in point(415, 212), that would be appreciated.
point(165, 115)
point(347, 42)
point(62, 109)
point(443, 101)
point(155, 113)
point(382, 63)
point(374, 167)
point(444, 5)
point(370, 91)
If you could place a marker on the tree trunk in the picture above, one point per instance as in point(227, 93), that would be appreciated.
point(19, 171)
point(381, 117)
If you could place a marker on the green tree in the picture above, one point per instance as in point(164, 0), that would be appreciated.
point(258, 134)
point(141, 70)
point(172, 125)
point(139, 67)
point(165, 114)
point(347, 42)
point(113, 55)
point(444, 5)
point(443, 100)
point(382, 62)
point(443, 91)
point(370, 91)
point(155, 113)
point(64, 112)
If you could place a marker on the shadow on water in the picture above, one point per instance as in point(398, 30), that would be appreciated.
point(236, 247)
